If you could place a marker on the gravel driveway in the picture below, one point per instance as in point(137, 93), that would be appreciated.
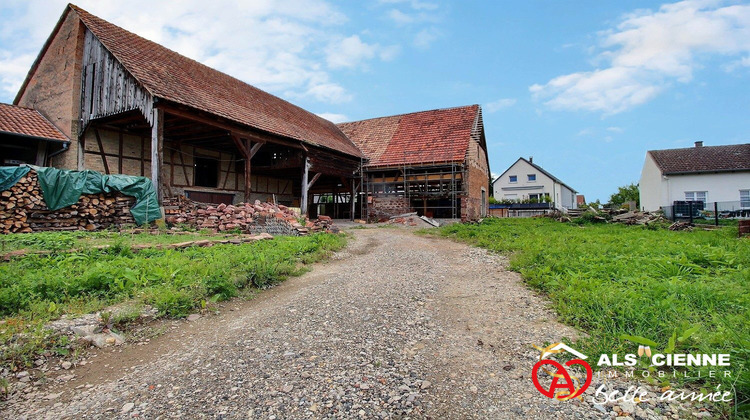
point(394, 326)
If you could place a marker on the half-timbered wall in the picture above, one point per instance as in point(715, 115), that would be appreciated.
point(115, 152)
point(107, 88)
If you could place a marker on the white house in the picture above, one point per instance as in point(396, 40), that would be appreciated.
point(708, 174)
point(525, 180)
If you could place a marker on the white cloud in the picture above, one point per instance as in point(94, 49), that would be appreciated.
point(649, 51)
point(334, 118)
point(13, 71)
point(415, 4)
point(351, 52)
point(615, 129)
point(425, 37)
point(499, 104)
point(277, 45)
point(400, 17)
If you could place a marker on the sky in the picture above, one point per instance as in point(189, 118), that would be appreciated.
point(585, 87)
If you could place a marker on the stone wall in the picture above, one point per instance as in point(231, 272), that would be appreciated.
point(383, 208)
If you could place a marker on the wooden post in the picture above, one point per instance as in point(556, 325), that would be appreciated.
point(354, 200)
point(248, 159)
point(157, 145)
point(81, 159)
point(303, 200)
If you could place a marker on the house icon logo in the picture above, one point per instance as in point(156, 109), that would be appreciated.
point(570, 387)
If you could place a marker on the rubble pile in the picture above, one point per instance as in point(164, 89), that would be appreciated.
point(639, 218)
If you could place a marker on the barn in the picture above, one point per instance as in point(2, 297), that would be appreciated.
point(131, 106)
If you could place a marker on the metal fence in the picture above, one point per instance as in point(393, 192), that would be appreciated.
point(717, 210)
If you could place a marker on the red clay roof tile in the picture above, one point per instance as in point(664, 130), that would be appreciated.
point(440, 135)
point(27, 122)
point(171, 76)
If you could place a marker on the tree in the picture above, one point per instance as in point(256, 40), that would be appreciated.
point(625, 194)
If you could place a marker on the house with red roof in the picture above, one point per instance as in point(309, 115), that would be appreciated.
point(705, 174)
point(27, 137)
point(103, 98)
point(431, 162)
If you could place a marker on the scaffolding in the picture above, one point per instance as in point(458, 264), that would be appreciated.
point(433, 189)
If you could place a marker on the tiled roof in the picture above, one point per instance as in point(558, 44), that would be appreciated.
point(171, 76)
point(27, 122)
point(735, 157)
point(440, 135)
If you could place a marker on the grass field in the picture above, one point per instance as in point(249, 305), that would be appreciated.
point(35, 289)
point(611, 280)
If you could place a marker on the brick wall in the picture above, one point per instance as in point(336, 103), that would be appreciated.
point(476, 177)
point(54, 88)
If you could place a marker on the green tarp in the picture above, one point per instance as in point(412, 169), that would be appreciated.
point(62, 188)
point(9, 175)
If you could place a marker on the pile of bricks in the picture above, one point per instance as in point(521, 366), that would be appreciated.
point(23, 210)
point(258, 217)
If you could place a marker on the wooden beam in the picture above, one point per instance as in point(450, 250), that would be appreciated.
point(101, 151)
point(157, 149)
point(255, 148)
point(119, 154)
point(312, 181)
point(305, 187)
point(232, 127)
point(238, 142)
point(81, 149)
point(353, 199)
point(248, 160)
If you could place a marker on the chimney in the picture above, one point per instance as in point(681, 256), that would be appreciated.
point(698, 144)
point(531, 159)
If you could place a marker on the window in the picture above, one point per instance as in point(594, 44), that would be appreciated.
point(541, 197)
point(206, 172)
point(696, 196)
point(532, 177)
point(513, 179)
point(744, 198)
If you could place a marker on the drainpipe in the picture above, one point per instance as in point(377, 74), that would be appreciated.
point(66, 146)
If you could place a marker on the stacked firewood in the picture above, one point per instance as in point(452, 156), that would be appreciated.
point(257, 217)
point(23, 210)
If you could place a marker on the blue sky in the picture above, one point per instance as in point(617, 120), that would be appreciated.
point(585, 87)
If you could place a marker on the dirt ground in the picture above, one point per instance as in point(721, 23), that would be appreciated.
point(395, 326)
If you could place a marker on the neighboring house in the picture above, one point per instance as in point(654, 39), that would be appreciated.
point(707, 174)
point(26, 137)
point(580, 200)
point(526, 181)
point(432, 162)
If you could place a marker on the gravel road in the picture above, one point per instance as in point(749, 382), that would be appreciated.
point(394, 326)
